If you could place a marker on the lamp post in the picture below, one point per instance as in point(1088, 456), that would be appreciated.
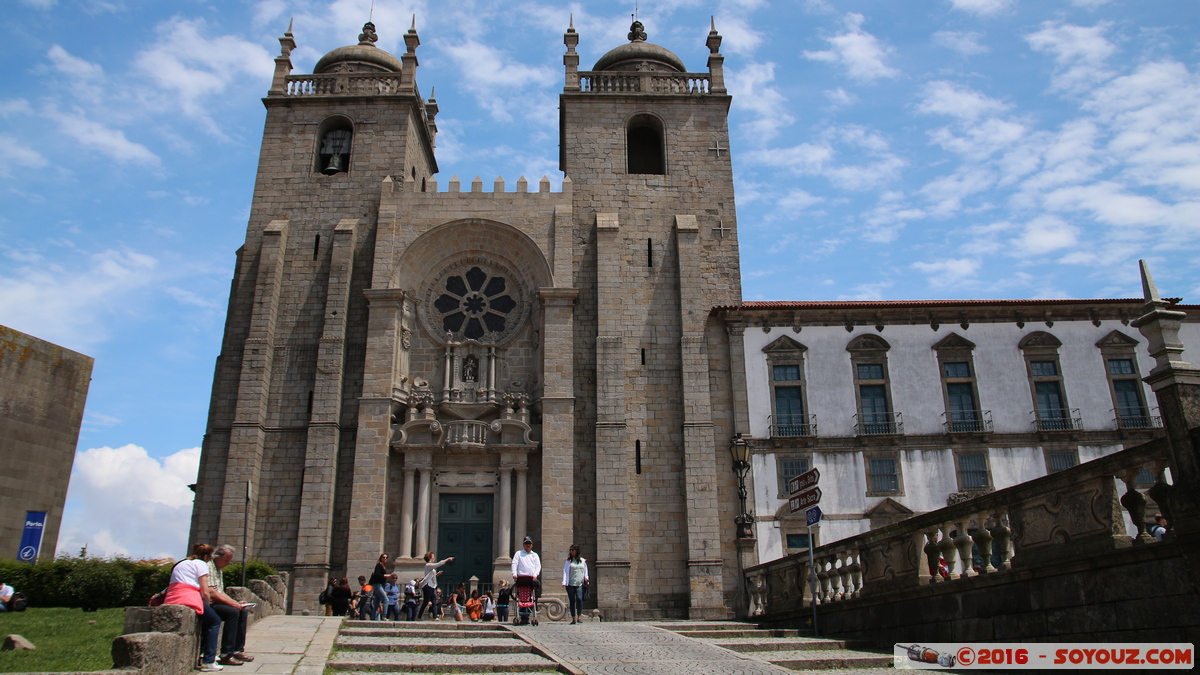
point(739, 450)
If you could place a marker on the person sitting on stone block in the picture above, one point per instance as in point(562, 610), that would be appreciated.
point(235, 616)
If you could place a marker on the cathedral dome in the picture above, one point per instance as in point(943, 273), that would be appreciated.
point(627, 57)
point(362, 57)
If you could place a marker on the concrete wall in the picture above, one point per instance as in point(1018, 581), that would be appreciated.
point(43, 388)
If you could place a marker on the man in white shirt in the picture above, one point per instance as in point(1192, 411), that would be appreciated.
point(235, 615)
point(526, 563)
point(6, 593)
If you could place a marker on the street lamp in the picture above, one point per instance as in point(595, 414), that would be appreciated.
point(739, 450)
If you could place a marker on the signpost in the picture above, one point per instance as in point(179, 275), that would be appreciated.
point(804, 496)
point(803, 481)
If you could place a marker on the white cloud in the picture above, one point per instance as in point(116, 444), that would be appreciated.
point(947, 98)
point(859, 52)
point(751, 90)
point(797, 200)
point(1045, 234)
point(15, 106)
point(840, 97)
point(868, 291)
point(1080, 53)
point(737, 35)
point(18, 156)
point(110, 142)
point(500, 83)
point(121, 501)
point(73, 66)
point(805, 158)
point(67, 304)
point(950, 272)
point(966, 43)
point(190, 70)
point(982, 7)
point(40, 4)
point(1089, 4)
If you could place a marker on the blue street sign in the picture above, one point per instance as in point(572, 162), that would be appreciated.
point(813, 516)
point(31, 538)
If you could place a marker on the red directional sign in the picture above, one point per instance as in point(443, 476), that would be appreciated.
point(803, 481)
point(805, 499)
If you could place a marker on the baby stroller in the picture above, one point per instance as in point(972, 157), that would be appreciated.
point(526, 595)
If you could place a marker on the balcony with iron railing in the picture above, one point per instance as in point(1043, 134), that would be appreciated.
point(1057, 419)
point(967, 422)
point(876, 424)
point(1136, 418)
point(792, 426)
point(466, 434)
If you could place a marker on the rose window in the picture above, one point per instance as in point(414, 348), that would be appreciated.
point(475, 304)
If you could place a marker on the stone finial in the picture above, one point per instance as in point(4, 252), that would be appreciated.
point(477, 184)
point(714, 38)
point(368, 36)
point(522, 185)
point(289, 30)
point(571, 23)
point(411, 40)
point(1160, 326)
point(1149, 290)
point(637, 32)
point(544, 185)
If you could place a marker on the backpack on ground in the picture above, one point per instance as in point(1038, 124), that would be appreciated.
point(18, 602)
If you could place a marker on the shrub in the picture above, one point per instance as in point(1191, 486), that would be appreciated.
point(96, 584)
point(257, 569)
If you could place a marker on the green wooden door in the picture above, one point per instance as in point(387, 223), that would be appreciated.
point(465, 534)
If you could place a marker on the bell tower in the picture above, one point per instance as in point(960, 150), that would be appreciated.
point(645, 144)
point(279, 449)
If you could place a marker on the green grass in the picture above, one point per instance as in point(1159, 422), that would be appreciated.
point(64, 639)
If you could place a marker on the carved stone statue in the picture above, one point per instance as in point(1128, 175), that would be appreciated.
point(470, 371)
point(368, 36)
point(637, 32)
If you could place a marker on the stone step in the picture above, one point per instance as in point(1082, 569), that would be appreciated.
point(759, 633)
point(429, 625)
point(834, 659)
point(433, 645)
point(786, 644)
point(704, 625)
point(428, 633)
point(392, 662)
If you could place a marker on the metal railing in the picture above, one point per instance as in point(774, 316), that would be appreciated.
point(792, 426)
point(1057, 419)
point(967, 421)
point(872, 424)
point(1136, 418)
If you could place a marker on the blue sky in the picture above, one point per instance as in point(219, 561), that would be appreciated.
point(881, 149)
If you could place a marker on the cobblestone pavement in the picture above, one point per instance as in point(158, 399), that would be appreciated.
point(633, 649)
point(289, 645)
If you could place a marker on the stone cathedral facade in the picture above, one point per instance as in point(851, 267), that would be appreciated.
point(411, 365)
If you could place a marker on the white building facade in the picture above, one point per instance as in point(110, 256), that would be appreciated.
point(906, 407)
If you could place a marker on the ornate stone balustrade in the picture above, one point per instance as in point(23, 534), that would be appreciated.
point(1064, 517)
point(645, 82)
point(346, 85)
point(466, 433)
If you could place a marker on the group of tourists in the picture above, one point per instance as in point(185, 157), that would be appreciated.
point(380, 598)
point(196, 582)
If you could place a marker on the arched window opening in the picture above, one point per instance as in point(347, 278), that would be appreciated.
point(645, 146)
point(333, 151)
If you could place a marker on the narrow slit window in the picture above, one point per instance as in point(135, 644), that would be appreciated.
point(649, 253)
point(316, 246)
point(637, 457)
point(643, 356)
point(334, 145)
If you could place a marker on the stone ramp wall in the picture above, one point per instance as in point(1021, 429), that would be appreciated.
point(165, 640)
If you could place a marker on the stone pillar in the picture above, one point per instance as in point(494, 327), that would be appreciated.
point(705, 564)
point(424, 497)
point(324, 430)
point(406, 514)
point(372, 450)
point(248, 434)
point(612, 452)
point(504, 513)
point(558, 426)
point(521, 522)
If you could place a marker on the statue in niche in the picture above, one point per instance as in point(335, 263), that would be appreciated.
point(470, 370)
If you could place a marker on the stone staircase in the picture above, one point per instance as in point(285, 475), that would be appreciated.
point(792, 649)
point(425, 647)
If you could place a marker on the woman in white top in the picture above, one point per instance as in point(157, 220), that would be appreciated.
point(575, 579)
point(189, 587)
